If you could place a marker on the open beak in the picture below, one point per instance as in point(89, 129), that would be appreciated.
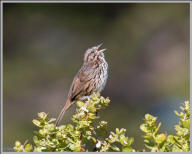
point(99, 52)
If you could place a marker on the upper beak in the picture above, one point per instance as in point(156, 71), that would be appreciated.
point(99, 46)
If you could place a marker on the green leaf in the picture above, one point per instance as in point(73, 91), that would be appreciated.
point(17, 144)
point(93, 140)
point(35, 139)
point(58, 134)
point(144, 128)
point(42, 115)
point(186, 123)
point(37, 149)
point(91, 116)
point(170, 139)
point(117, 130)
point(157, 129)
point(91, 108)
point(130, 141)
point(160, 138)
point(114, 148)
point(28, 148)
point(127, 149)
point(37, 122)
point(51, 120)
point(80, 104)
point(42, 132)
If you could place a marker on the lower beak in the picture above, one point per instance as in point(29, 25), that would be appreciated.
point(101, 51)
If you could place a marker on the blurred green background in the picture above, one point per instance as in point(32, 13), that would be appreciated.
point(43, 46)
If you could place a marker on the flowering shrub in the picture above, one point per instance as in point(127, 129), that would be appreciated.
point(161, 142)
point(87, 135)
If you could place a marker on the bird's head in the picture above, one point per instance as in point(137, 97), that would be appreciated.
point(94, 53)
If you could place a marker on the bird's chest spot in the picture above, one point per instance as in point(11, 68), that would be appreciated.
point(101, 77)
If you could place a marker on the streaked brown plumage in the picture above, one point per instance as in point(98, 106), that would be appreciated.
point(91, 77)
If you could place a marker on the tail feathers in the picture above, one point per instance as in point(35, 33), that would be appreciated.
point(67, 105)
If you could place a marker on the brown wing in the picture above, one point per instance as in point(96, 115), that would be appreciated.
point(82, 83)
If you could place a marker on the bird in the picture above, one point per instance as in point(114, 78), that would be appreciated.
point(91, 78)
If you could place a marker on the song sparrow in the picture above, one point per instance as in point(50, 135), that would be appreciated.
point(91, 77)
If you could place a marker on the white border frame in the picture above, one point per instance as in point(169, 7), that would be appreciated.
point(95, 1)
point(74, 1)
